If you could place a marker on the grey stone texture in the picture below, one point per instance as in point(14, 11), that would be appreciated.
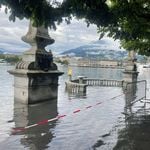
point(130, 73)
point(36, 76)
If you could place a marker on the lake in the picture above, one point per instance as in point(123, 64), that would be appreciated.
point(108, 126)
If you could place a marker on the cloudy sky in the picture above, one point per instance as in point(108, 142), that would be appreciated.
point(66, 36)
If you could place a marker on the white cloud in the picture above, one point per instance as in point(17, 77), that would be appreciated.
point(11, 32)
point(73, 35)
point(66, 36)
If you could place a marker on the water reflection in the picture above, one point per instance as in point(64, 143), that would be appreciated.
point(36, 137)
point(75, 95)
point(135, 134)
point(101, 127)
point(106, 73)
point(130, 96)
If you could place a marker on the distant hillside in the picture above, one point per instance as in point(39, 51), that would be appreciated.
point(98, 49)
point(3, 51)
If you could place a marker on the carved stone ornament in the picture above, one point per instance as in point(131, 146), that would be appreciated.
point(37, 58)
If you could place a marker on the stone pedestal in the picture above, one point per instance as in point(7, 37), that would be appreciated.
point(130, 76)
point(36, 76)
point(130, 73)
point(35, 86)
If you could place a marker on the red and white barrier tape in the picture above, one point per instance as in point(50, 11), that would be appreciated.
point(21, 129)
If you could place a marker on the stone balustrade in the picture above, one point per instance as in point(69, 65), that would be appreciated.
point(103, 82)
point(79, 85)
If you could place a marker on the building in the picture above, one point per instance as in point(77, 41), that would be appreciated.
point(84, 62)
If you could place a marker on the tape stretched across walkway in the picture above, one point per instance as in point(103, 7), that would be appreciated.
point(43, 122)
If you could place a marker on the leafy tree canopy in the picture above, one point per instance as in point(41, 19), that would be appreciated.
point(132, 24)
point(41, 12)
point(127, 20)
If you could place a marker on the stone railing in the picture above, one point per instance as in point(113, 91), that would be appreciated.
point(75, 87)
point(102, 82)
point(79, 85)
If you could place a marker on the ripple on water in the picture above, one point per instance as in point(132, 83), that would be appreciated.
point(104, 126)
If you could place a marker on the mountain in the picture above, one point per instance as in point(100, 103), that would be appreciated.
point(4, 51)
point(98, 49)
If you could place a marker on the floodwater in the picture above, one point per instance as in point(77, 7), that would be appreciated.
point(107, 126)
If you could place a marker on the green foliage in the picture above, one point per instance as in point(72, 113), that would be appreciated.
point(2, 56)
point(132, 25)
point(13, 59)
point(63, 62)
point(127, 20)
point(94, 11)
point(140, 46)
point(39, 11)
point(10, 58)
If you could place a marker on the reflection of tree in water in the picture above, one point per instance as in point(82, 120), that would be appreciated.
point(37, 137)
point(135, 135)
